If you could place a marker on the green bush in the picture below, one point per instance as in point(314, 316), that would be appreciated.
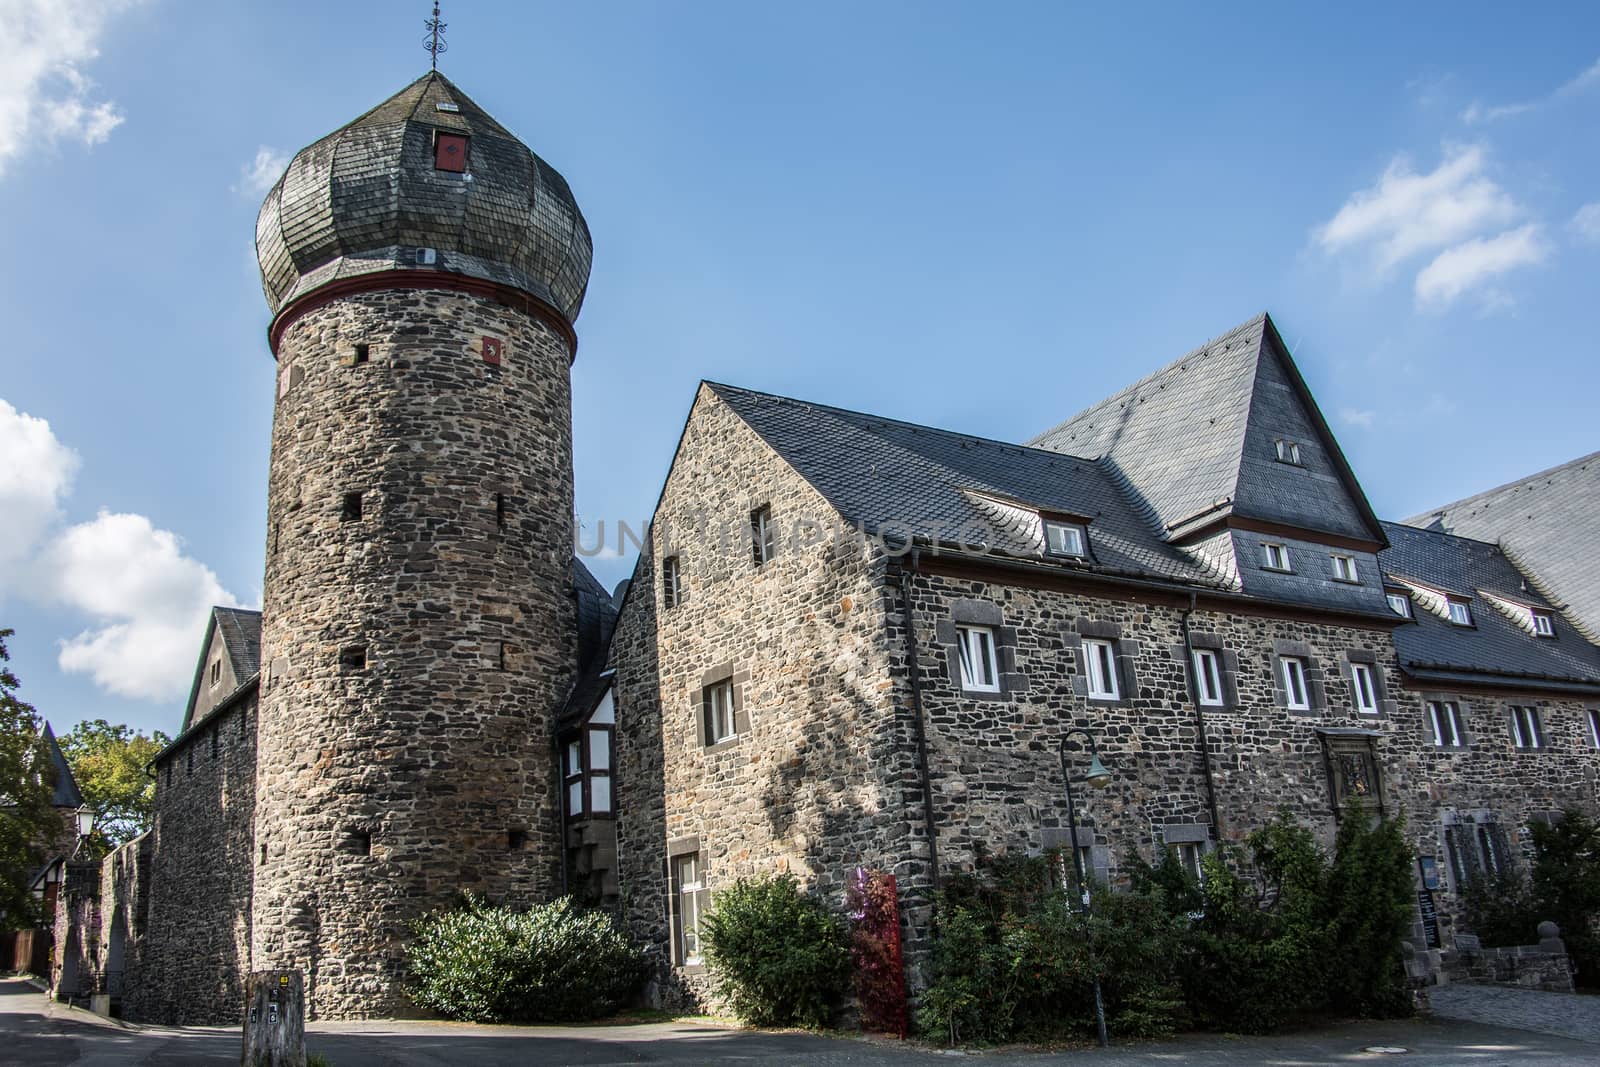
point(1371, 898)
point(778, 957)
point(550, 963)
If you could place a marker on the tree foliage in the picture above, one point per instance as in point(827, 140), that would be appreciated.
point(109, 763)
point(27, 781)
point(778, 956)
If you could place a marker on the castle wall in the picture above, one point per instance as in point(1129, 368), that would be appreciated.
point(815, 781)
point(194, 907)
point(412, 653)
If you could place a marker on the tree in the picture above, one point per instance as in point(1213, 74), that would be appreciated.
point(109, 763)
point(27, 782)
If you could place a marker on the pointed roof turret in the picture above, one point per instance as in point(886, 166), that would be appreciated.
point(67, 794)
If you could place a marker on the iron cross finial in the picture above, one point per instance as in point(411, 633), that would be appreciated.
point(435, 40)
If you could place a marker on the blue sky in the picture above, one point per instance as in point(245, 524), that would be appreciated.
point(983, 217)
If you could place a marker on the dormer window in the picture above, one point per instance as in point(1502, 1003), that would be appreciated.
point(1543, 624)
point(1460, 612)
point(1288, 451)
point(1400, 604)
point(1274, 556)
point(1065, 539)
point(1344, 568)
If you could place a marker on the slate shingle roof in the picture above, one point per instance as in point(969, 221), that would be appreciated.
point(1494, 645)
point(1196, 440)
point(366, 197)
point(881, 473)
point(67, 794)
point(241, 634)
point(1549, 523)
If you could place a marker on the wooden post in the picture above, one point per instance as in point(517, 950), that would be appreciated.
point(275, 1020)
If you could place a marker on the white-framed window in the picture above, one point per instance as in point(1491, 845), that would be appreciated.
point(1594, 726)
point(1100, 669)
point(1365, 687)
point(1400, 604)
point(1527, 730)
point(1543, 624)
point(1288, 451)
point(1188, 854)
point(979, 671)
point(1295, 691)
point(599, 770)
point(1208, 677)
point(572, 775)
point(1065, 539)
point(1274, 556)
point(719, 712)
point(763, 534)
point(688, 883)
point(216, 671)
point(671, 582)
point(1445, 717)
point(1460, 612)
point(1344, 568)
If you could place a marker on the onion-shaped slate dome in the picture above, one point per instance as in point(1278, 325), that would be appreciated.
point(378, 195)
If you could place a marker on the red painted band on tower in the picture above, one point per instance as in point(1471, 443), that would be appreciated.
point(505, 295)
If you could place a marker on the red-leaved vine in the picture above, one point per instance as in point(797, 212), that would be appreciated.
point(874, 910)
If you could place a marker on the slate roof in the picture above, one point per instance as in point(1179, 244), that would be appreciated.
point(1549, 523)
point(67, 794)
point(366, 197)
point(882, 473)
point(241, 636)
point(1195, 440)
point(1495, 645)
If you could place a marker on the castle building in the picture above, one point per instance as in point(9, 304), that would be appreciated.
point(849, 641)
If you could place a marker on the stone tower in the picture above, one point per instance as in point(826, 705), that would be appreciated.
point(424, 269)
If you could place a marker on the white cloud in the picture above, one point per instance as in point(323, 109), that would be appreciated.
point(1477, 112)
point(151, 599)
point(35, 474)
point(146, 599)
point(1473, 264)
point(44, 94)
point(1586, 223)
point(262, 173)
point(1357, 417)
point(1407, 213)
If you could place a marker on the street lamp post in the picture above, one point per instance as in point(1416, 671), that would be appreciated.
point(1097, 778)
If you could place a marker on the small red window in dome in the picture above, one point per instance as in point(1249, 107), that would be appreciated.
point(450, 152)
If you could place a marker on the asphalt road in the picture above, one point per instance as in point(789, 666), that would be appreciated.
point(39, 1034)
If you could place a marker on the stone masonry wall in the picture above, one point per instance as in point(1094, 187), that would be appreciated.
point(412, 653)
point(194, 913)
point(814, 781)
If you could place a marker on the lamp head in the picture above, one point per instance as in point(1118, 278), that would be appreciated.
point(85, 822)
point(1098, 777)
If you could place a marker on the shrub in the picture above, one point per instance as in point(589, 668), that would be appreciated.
point(1371, 897)
point(550, 963)
point(778, 957)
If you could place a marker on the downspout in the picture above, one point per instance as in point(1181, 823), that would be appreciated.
point(1200, 722)
point(918, 726)
point(561, 809)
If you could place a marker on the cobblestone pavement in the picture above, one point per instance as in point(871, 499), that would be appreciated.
point(38, 1034)
point(1561, 1014)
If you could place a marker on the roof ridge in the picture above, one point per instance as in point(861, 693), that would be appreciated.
point(1167, 368)
point(1513, 484)
point(1050, 453)
point(1410, 529)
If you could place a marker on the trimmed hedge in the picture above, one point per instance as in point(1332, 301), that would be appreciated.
point(778, 957)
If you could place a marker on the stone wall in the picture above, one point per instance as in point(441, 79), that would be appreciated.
point(1544, 965)
point(418, 631)
point(195, 949)
point(816, 779)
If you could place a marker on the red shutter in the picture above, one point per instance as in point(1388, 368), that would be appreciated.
point(450, 152)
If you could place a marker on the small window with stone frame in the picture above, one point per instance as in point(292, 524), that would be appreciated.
point(672, 581)
point(690, 900)
point(763, 535)
point(1364, 687)
point(717, 707)
point(1208, 677)
point(979, 667)
point(1444, 721)
point(1100, 669)
point(1593, 717)
point(1297, 691)
point(216, 670)
point(1527, 728)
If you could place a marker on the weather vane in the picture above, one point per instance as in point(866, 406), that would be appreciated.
point(435, 40)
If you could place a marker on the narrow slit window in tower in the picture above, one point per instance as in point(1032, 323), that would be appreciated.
point(353, 658)
point(516, 840)
point(357, 842)
point(350, 510)
point(363, 353)
point(500, 511)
